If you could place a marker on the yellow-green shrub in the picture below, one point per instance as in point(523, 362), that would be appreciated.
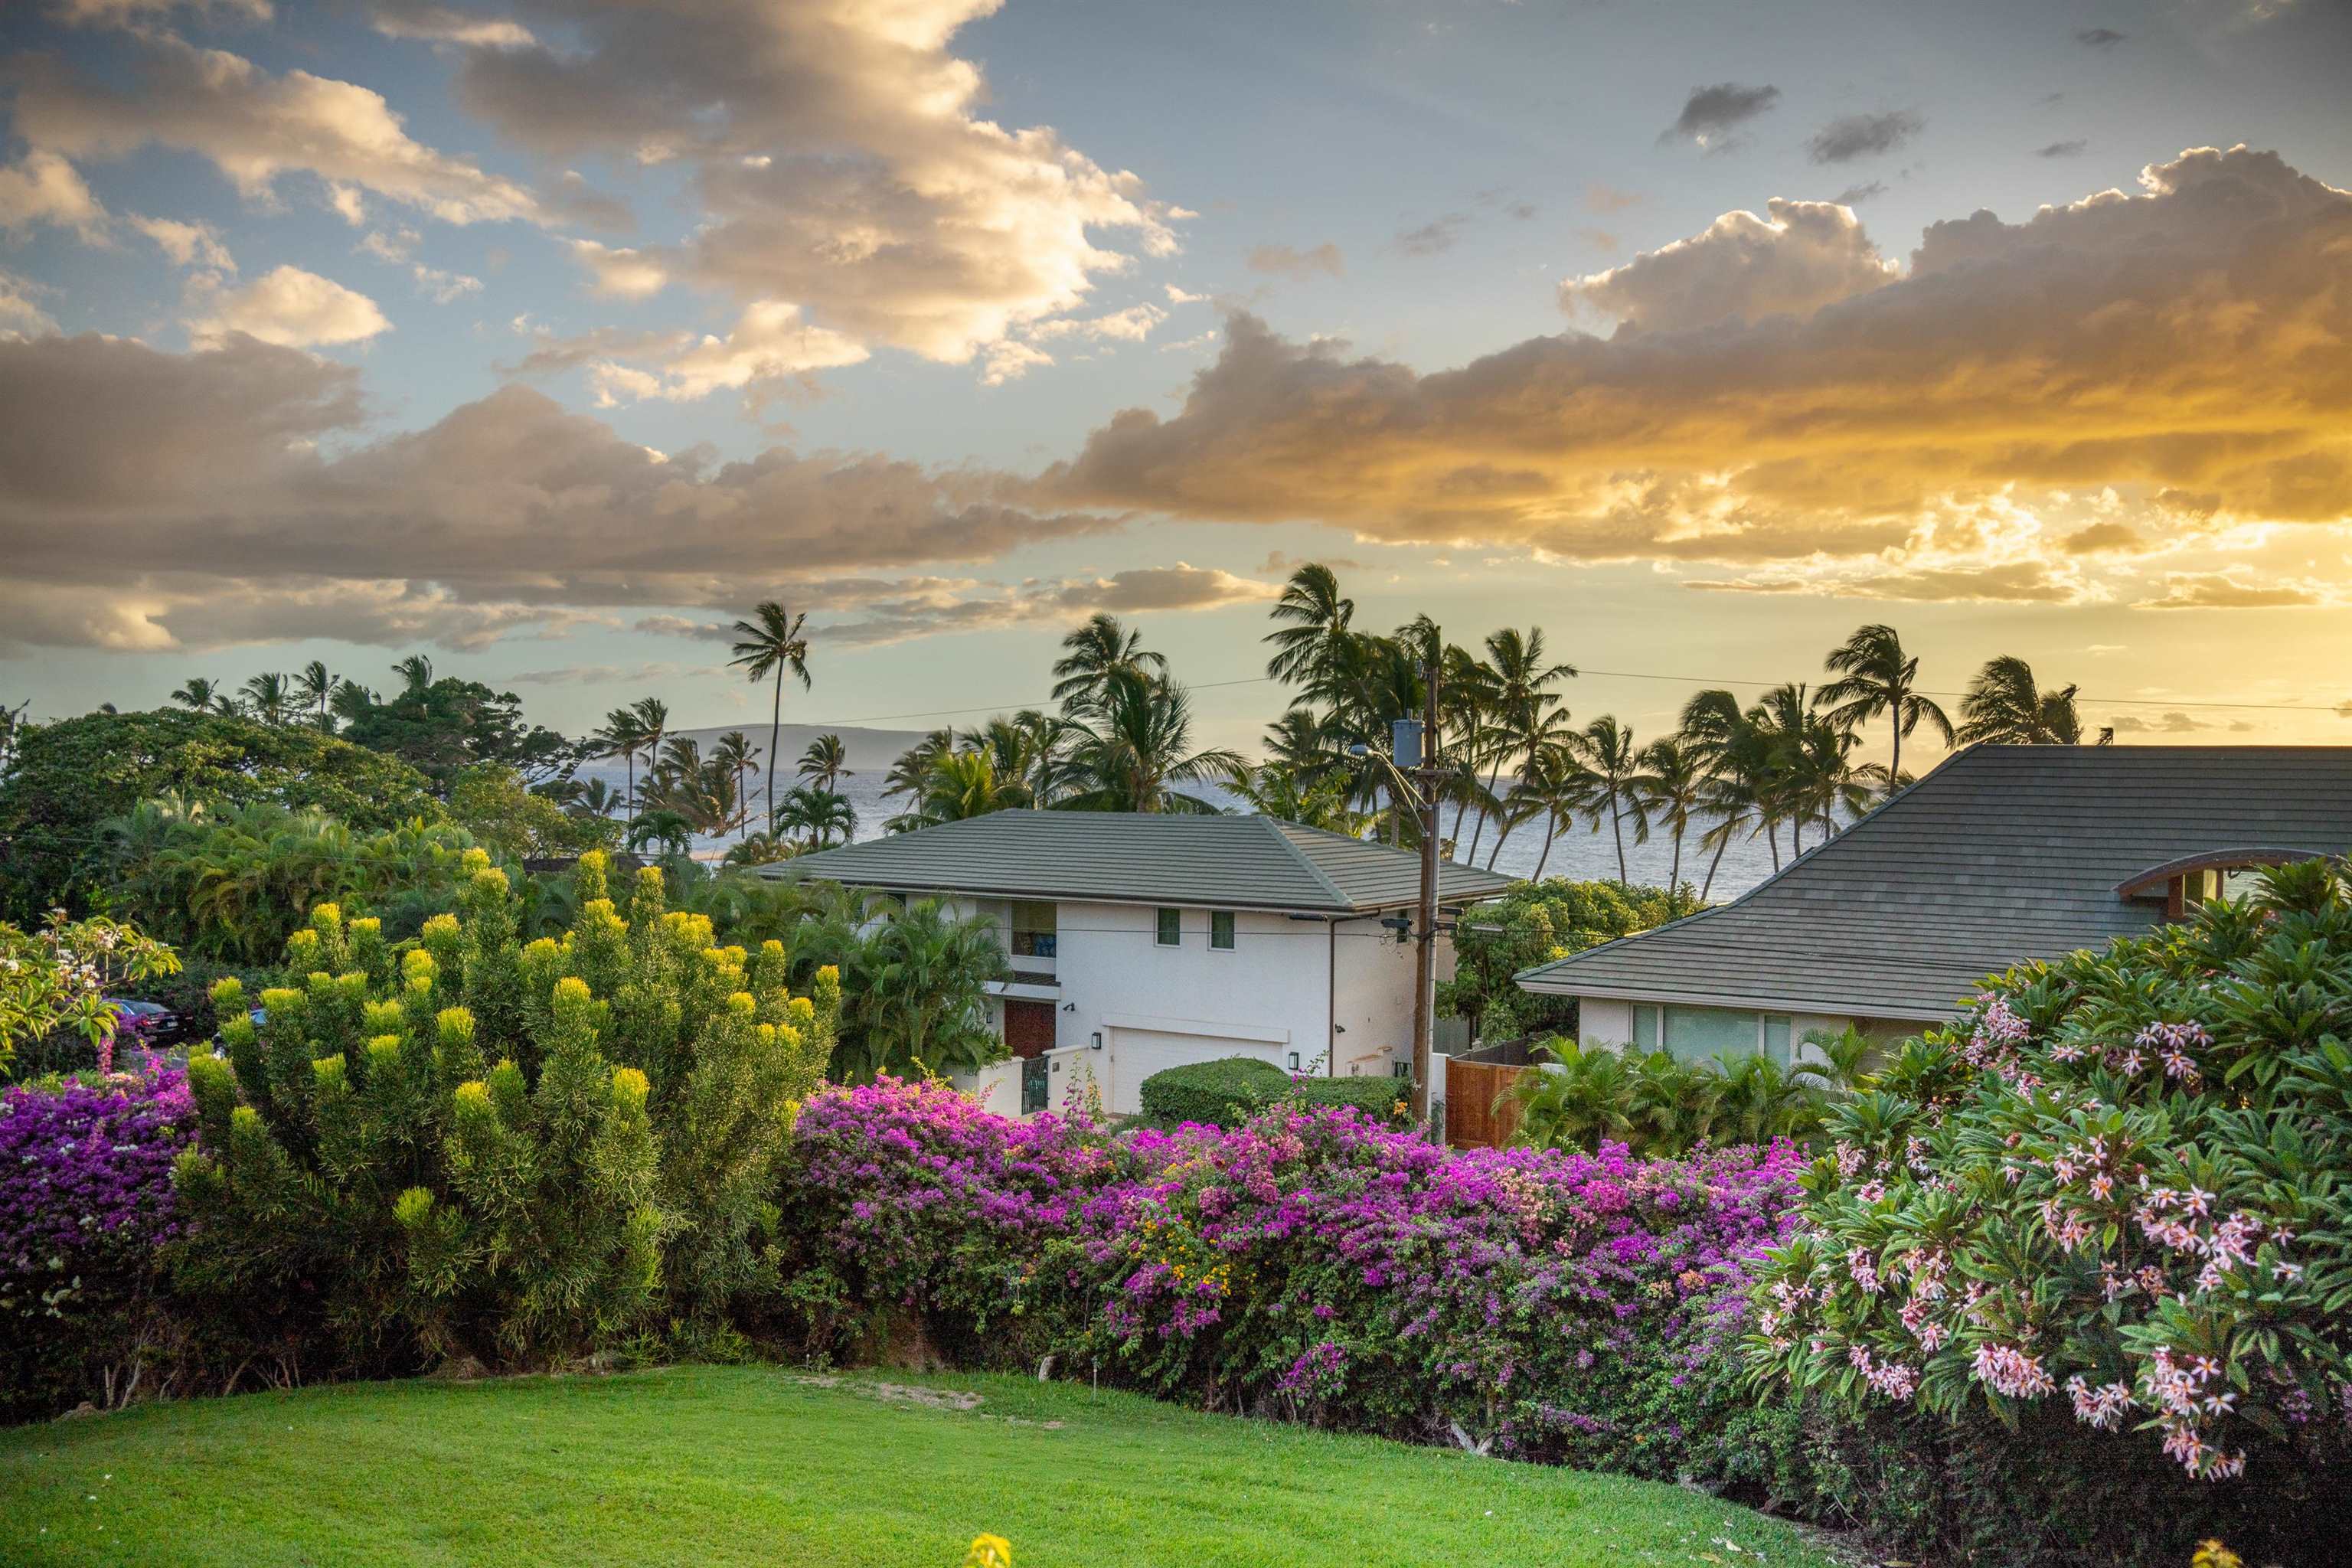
point(481, 1147)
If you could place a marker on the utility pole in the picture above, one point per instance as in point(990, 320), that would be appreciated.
point(1424, 972)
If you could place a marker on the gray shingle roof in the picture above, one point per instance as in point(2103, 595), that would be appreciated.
point(1225, 862)
point(2004, 853)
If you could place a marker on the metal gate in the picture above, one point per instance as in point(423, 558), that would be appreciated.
point(1036, 1084)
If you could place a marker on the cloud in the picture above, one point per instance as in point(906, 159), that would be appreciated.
point(1436, 235)
point(1711, 113)
point(136, 12)
point(255, 127)
point(1010, 360)
point(154, 499)
point(191, 243)
point(603, 674)
point(1600, 196)
point(2103, 537)
point(2011, 583)
point(621, 274)
point(837, 158)
point(2073, 149)
point(1856, 136)
point(2174, 722)
point(441, 287)
point(1283, 261)
point(2232, 590)
point(1806, 255)
point(2099, 37)
point(2180, 344)
point(1131, 325)
point(930, 607)
point(285, 306)
point(769, 342)
point(19, 316)
point(446, 25)
point(1861, 192)
point(43, 188)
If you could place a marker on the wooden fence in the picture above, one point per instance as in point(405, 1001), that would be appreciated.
point(1479, 1112)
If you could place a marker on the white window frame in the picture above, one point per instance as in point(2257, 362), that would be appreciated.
point(1158, 917)
point(1232, 931)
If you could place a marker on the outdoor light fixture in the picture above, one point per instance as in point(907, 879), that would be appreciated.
point(1069, 1007)
point(1294, 1061)
point(1098, 1045)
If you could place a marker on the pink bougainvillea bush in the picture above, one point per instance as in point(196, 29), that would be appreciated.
point(1307, 1263)
point(2120, 1188)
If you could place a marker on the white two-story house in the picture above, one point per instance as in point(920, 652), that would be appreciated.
point(1142, 942)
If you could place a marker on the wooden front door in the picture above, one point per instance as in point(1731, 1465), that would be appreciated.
point(1028, 1028)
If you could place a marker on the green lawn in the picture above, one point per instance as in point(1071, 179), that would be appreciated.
point(708, 1467)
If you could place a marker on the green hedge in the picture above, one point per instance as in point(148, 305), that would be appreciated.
point(1230, 1090)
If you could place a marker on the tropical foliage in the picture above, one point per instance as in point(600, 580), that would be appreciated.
point(69, 777)
point(62, 976)
point(2121, 1183)
point(1534, 923)
point(1660, 1106)
point(479, 1146)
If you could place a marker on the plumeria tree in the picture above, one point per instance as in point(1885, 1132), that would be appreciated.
point(58, 978)
point(2123, 1180)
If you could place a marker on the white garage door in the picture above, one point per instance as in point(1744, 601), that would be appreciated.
point(1136, 1054)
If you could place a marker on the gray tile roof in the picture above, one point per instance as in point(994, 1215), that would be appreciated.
point(2004, 853)
point(1225, 862)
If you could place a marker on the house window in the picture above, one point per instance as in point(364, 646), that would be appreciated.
point(1221, 930)
point(1032, 930)
point(1169, 931)
point(1708, 1034)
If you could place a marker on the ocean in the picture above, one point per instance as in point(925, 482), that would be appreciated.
point(1578, 854)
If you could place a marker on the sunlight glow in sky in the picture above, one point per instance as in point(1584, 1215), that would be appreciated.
point(547, 337)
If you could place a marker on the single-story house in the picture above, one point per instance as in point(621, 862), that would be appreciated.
point(1141, 942)
point(2003, 854)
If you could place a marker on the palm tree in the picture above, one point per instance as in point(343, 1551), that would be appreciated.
point(624, 736)
point(956, 786)
point(771, 645)
point(1140, 745)
point(1524, 712)
point(1319, 613)
point(1093, 655)
point(670, 829)
point(2004, 707)
point(1673, 788)
point(735, 753)
point(825, 762)
point(416, 672)
point(199, 694)
point(908, 774)
point(1557, 787)
point(1739, 760)
point(1875, 676)
point(350, 701)
point(1272, 789)
point(596, 799)
point(820, 813)
point(313, 687)
point(1607, 750)
point(270, 697)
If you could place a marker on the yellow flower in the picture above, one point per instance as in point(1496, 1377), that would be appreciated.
point(989, 1552)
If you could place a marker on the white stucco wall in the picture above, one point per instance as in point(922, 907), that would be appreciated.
point(1277, 992)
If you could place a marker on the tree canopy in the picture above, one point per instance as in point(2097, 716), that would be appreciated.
point(68, 777)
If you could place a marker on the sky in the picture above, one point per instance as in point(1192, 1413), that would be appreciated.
point(547, 338)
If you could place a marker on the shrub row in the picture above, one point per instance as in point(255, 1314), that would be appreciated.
point(1231, 1090)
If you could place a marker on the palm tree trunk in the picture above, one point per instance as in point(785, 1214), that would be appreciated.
point(775, 735)
point(1551, 832)
point(1895, 765)
point(1772, 838)
point(1708, 886)
point(1675, 876)
point(1617, 827)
